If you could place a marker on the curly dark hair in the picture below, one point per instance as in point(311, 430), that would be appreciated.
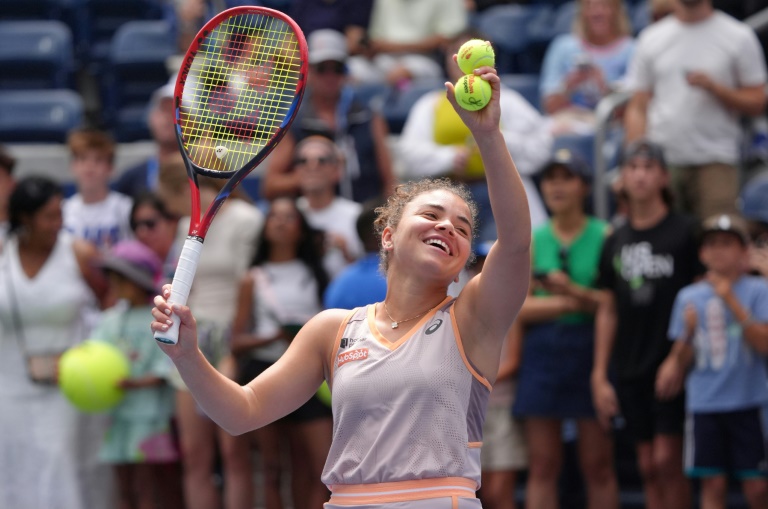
point(391, 212)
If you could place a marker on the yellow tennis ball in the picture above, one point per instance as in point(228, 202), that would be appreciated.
point(475, 53)
point(472, 92)
point(89, 374)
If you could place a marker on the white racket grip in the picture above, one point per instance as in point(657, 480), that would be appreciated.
point(182, 283)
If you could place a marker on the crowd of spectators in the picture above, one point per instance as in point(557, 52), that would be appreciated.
point(651, 324)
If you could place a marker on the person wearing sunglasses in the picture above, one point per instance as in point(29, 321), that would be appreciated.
point(155, 226)
point(331, 109)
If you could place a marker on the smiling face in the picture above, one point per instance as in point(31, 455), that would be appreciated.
point(434, 234)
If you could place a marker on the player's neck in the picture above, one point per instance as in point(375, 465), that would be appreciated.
point(95, 195)
point(647, 214)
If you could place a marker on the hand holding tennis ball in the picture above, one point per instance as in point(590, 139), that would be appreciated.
point(475, 53)
point(472, 92)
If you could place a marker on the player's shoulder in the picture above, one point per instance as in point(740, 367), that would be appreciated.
point(329, 319)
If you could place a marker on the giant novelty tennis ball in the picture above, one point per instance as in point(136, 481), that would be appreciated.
point(475, 53)
point(472, 92)
point(89, 374)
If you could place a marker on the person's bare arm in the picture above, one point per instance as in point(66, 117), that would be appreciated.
point(489, 303)
point(745, 100)
point(87, 256)
point(603, 394)
point(380, 132)
point(511, 352)
point(279, 390)
point(279, 179)
point(755, 333)
point(636, 116)
point(426, 45)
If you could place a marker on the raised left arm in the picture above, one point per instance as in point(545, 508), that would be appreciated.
point(489, 303)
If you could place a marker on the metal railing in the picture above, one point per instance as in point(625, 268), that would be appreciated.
point(604, 113)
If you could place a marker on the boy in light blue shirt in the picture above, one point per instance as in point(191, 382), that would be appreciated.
point(720, 329)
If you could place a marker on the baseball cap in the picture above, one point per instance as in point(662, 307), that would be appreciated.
point(646, 149)
point(728, 223)
point(754, 199)
point(134, 261)
point(164, 92)
point(327, 44)
point(565, 158)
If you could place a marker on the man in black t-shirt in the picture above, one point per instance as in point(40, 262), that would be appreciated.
point(643, 265)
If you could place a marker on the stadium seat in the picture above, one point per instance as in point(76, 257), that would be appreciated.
point(35, 55)
point(399, 104)
point(32, 9)
point(367, 93)
point(42, 116)
point(753, 200)
point(507, 27)
point(99, 20)
point(136, 67)
point(527, 85)
point(640, 15)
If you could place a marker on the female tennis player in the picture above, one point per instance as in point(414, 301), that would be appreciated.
point(410, 376)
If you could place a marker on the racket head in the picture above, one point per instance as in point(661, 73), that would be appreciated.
point(240, 84)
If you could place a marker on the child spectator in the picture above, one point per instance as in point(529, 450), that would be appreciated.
point(95, 213)
point(720, 329)
point(139, 439)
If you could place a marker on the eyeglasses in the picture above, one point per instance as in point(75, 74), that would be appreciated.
point(330, 66)
point(318, 160)
point(150, 224)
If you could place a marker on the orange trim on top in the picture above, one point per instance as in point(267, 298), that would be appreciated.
point(415, 484)
point(387, 343)
point(337, 343)
point(459, 344)
point(474, 445)
point(402, 491)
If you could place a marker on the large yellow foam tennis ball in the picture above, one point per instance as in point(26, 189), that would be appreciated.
point(472, 92)
point(475, 53)
point(89, 374)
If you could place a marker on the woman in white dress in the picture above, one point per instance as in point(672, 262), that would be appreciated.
point(48, 289)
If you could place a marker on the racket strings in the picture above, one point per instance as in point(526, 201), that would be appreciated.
point(241, 86)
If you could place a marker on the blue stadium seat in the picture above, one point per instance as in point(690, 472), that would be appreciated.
point(42, 116)
point(99, 20)
point(640, 15)
point(753, 200)
point(507, 27)
point(366, 93)
point(560, 21)
point(136, 67)
point(399, 104)
point(35, 55)
point(527, 85)
point(32, 9)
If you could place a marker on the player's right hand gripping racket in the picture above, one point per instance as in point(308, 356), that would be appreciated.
point(238, 89)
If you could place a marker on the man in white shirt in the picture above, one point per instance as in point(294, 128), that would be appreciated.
point(319, 165)
point(693, 75)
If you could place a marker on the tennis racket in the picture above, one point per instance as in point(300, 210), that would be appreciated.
point(238, 89)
